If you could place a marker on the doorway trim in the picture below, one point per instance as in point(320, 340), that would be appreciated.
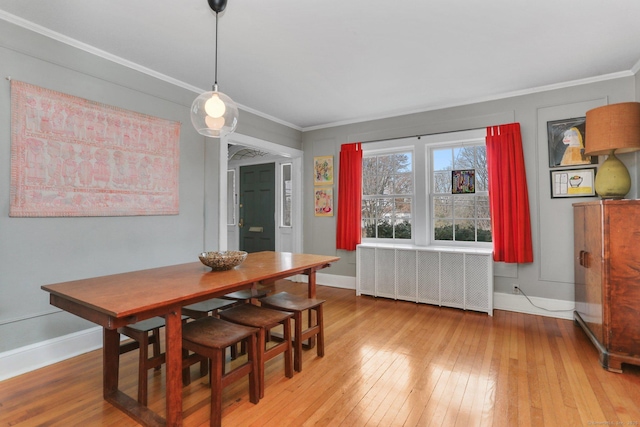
point(296, 159)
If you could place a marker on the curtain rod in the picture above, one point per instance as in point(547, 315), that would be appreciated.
point(420, 136)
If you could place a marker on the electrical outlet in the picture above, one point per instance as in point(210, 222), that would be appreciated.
point(516, 290)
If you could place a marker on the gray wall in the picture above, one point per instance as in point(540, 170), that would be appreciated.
point(39, 251)
point(551, 273)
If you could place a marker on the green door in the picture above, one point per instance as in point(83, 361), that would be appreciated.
point(257, 208)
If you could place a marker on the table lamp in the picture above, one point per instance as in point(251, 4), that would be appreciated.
point(613, 129)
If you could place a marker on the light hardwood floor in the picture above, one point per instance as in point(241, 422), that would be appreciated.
point(387, 363)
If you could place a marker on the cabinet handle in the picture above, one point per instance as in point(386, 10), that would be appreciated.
point(584, 259)
point(581, 258)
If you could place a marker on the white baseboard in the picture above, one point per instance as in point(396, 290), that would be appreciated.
point(44, 353)
point(38, 355)
point(560, 309)
point(333, 280)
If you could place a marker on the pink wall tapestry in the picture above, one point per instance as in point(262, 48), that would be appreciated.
point(75, 157)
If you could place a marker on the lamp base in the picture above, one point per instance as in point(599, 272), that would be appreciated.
point(612, 180)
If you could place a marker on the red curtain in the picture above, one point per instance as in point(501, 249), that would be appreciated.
point(508, 195)
point(348, 233)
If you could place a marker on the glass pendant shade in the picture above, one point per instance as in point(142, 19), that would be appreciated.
point(214, 114)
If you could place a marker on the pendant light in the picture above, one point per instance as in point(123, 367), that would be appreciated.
point(213, 113)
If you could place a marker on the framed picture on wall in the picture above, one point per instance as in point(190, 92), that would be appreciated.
point(566, 141)
point(323, 170)
point(323, 201)
point(573, 183)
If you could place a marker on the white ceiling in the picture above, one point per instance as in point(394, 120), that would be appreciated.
point(314, 63)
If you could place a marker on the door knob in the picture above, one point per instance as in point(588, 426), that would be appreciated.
point(241, 223)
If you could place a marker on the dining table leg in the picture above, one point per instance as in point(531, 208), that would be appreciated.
point(110, 362)
point(312, 294)
point(173, 352)
point(311, 282)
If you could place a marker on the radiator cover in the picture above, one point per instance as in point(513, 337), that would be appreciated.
point(449, 277)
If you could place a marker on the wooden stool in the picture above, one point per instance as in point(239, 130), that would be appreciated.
point(139, 332)
point(242, 297)
point(247, 295)
point(207, 308)
point(297, 304)
point(265, 319)
point(208, 337)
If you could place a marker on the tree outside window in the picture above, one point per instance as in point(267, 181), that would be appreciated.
point(460, 217)
point(387, 199)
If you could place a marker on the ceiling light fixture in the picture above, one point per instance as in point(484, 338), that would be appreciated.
point(213, 113)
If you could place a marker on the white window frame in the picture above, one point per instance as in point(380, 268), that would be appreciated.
point(422, 232)
point(450, 140)
point(394, 147)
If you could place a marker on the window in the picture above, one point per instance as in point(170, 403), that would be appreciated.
point(387, 195)
point(462, 217)
point(231, 197)
point(407, 190)
point(285, 212)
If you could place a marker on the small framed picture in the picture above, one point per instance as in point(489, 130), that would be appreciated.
point(323, 170)
point(566, 141)
point(573, 183)
point(323, 201)
point(463, 181)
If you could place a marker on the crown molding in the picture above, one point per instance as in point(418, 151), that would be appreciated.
point(124, 62)
point(478, 100)
point(137, 67)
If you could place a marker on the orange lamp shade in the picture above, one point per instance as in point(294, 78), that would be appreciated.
point(613, 127)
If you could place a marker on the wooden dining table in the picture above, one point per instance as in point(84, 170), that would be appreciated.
point(121, 299)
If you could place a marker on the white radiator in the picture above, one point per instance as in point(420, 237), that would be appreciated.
point(450, 277)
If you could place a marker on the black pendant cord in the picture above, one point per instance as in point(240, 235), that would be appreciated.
point(217, 6)
point(216, 63)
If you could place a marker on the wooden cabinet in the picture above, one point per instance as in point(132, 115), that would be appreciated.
point(607, 278)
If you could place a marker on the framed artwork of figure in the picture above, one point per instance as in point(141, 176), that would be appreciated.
point(566, 140)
